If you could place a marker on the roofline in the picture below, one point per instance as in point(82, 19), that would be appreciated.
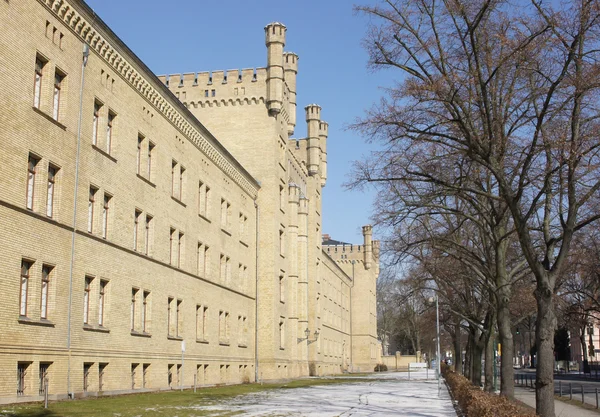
point(97, 22)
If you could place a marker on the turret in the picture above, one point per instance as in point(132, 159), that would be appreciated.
point(275, 41)
point(368, 245)
point(323, 133)
point(290, 66)
point(313, 120)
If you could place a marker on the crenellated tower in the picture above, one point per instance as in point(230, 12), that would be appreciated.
point(275, 41)
point(313, 120)
point(323, 133)
point(290, 65)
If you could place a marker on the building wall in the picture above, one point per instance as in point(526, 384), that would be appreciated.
point(126, 290)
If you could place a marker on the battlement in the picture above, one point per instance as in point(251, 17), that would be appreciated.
point(214, 78)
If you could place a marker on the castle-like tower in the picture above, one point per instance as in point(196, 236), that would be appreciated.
point(253, 113)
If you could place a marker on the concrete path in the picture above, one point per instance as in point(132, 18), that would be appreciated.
point(395, 395)
point(527, 396)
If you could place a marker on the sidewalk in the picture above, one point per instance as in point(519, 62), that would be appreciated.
point(527, 396)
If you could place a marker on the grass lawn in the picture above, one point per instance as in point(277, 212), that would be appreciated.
point(160, 404)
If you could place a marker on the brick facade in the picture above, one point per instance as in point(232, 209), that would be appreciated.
point(129, 230)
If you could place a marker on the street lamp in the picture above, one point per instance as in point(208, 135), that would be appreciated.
point(307, 333)
point(437, 315)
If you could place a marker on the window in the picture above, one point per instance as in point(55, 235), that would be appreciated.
point(37, 86)
point(105, 214)
point(91, 200)
point(281, 289)
point(203, 199)
point(281, 242)
point(225, 213)
point(101, 374)
point(169, 317)
point(281, 198)
point(97, 107)
point(138, 164)
point(171, 370)
point(134, 367)
point(109, 130)
point(225, 269)
point(150, 157)
point(201, 315)
point(43, 375)
point(31, 171)
point(243, 226)
point(281, 334)
point(101, 302)
point(145, 370)
point(52, 170)
point(203, 260)
point(223, 326)
point(22, 370)
point(148, 240)
point(179, 319)
point(46, 270)
point(87, 367)
point(176, 247)
point(58, 80)
point(173, 182)
point(25, 270)
point(136, 225)
point(172, 238)
point(181, 177)
point(145, 318)
point(86, 299)
point(180, 247)
point(134, 293)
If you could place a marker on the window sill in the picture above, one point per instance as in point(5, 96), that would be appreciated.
point(281, 348)
point(175, 338)
point(106, 154)
point(140, 334)
point(99, 329)
point(243, 243)
point(282, 255)
point(227, 232)
point(203, 341)
point(204, 217)
point(224, 343)
point(282, 211)
point(242, 345)
point(178, 201)
point(146, 180)
point(50, 118)
point(40, 322)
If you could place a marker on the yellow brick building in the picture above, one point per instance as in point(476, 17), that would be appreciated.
point(160, 232)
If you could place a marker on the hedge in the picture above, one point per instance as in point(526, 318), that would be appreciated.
point(477, 403)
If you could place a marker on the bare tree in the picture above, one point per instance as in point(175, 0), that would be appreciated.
point(512, 88)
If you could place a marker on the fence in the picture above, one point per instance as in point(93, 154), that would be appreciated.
point(574, 390)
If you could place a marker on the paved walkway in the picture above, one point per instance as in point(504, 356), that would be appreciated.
point(394, 395)
point(527, 395)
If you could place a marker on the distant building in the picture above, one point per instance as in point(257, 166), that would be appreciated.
point(146, 219)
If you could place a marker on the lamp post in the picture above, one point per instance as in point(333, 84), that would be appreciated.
point(437, 320)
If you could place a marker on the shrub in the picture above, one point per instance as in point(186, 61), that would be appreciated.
point(381, 367)
point(476, 403)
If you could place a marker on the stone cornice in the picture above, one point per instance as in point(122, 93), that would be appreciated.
point(133, 71)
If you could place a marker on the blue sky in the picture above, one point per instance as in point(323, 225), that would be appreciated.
point(185, 36)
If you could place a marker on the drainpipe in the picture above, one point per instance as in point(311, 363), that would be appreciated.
point(351, 323)
point(256, 295)
point(86, 54)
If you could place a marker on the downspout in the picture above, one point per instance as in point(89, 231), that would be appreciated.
point(86, 54)
point(256, 295)
point(351, 323)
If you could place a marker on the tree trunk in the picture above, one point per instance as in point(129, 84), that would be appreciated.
point(544, 338)
point(457, 349)
point(469, 351)
point(489, 359)
point(507, 372)
point(476, 364)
